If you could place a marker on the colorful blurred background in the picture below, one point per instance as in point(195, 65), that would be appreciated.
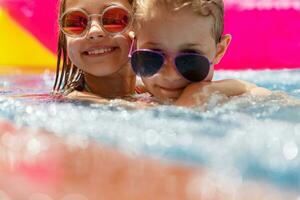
point(265, 34)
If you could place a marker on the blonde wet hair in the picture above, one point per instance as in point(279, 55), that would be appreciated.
point(68, 77)
point(146, 9)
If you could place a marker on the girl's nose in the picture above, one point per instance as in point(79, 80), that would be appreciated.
point(95, 31)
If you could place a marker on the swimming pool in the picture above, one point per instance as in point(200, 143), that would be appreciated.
point(252, 138)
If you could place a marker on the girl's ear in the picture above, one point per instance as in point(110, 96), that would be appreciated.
point(222, 48)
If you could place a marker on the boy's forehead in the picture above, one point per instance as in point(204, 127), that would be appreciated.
point(183, 25)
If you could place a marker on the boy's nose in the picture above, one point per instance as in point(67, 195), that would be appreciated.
point(95, 31)
point(169, 70)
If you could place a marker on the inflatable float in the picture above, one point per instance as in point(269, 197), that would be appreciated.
point(265, 34)
point(43, 167)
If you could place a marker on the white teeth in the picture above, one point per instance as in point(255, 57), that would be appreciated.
point(99, 51)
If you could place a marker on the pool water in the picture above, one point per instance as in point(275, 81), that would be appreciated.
point(249, 137)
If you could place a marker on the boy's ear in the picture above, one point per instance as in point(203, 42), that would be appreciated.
point(222, 48)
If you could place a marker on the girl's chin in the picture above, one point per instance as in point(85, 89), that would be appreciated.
point(103, 71)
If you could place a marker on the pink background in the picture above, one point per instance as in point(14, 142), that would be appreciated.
point(265, 38)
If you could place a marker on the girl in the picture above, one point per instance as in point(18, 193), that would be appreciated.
point(93, 49)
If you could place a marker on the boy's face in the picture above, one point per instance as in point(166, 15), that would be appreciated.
point(98, 53)
point(177, 32)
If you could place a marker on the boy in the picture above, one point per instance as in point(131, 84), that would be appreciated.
point(178, 43)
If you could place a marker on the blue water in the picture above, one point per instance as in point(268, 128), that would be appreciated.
point(256, 138)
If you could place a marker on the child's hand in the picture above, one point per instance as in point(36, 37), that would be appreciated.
point(197, 94)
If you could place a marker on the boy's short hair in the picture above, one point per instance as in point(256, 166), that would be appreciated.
point(145, 9)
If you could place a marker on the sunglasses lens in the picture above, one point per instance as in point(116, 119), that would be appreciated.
point(115, 20)
point(74, 23)
point(146, 63)
point(193, 67)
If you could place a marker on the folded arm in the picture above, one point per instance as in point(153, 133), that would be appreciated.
point(199, 93)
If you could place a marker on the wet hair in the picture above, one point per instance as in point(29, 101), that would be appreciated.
point(68, 77)
point(146, 9)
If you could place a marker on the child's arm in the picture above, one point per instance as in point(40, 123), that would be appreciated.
point(197, 94)
point(86, 96)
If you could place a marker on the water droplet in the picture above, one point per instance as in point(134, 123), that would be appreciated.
point(297, 130)
point(290, 150)
point(151, 137)
point(34, 146)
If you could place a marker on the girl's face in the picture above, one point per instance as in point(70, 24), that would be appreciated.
point(97, 52)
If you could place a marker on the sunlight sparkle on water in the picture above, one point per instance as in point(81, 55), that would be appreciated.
point(259, 137)
point(290, 150)
point(34, 146)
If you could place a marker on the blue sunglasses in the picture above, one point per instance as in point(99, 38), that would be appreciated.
point(191, 66)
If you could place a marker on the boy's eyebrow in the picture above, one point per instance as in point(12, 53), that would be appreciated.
point(152, 44)
point(189, 45)
point(198, 46)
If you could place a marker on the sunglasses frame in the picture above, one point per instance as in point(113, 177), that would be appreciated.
point(173, 57)
point(100, 22)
